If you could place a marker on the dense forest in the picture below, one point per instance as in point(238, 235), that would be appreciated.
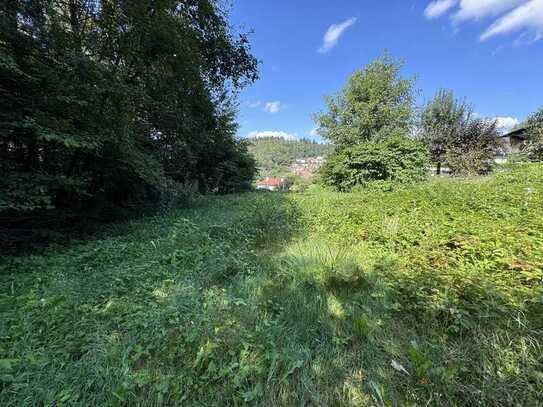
point(118, 104)
point(273, 155)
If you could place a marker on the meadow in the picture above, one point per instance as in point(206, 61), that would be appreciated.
point(427, 295)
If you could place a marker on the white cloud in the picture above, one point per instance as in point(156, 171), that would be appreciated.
point(479, 9)
point(276, 134)
point(529, 15)
point(509, 16)
point(332, 35)
point(439, 7)
point(506, 124)
point(273, 107)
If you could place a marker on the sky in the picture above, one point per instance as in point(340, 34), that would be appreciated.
point(489, 52)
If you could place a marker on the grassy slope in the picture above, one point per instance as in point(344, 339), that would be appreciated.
point(291, 300)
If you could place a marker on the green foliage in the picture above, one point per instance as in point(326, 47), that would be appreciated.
point(375, 104)
point(427, 295)
point(534, 145)
point(441, 118)
point(104, 103)
point(22, 192)
point(176, 195)
point(274, 155)
point(472, 150)
point(368, 122)
point(455, 137)
point(398, 160)
point(424, 369)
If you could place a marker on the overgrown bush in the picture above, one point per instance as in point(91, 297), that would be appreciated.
point(429, 295)
point(455, 136)
point(472, 149)
point(234, 171)
point(177, 195)
point(534, 145)
point(399, 160)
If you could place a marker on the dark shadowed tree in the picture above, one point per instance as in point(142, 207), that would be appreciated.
point(106, 102)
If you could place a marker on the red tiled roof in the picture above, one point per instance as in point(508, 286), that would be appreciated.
point(271, 182)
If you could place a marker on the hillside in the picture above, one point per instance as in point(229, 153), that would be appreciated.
point(426, 296)
point(274, 155)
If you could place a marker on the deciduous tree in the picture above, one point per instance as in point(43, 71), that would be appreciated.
point(441, 119)
point(376, 104)
point(103, 102)
point(454, 135)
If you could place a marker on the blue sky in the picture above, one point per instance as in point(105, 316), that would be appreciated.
point(488, 51)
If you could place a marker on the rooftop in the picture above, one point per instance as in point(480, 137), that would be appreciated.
point(271, 182)
point(519, 131)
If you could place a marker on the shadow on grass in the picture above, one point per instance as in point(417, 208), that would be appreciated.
point(231, 303)
point(370, 342)
point(132, 317)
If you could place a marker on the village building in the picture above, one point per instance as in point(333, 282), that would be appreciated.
point(307, 167)
point(272, 184)
point(514, 141)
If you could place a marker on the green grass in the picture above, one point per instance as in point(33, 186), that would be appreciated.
point(274, 299)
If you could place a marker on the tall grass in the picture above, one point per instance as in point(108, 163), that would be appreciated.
point(426, 296)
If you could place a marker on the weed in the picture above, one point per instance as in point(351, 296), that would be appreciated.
point(284, 299)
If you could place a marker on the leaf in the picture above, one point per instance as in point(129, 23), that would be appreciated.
point(7, 378)
point(6, 365)
point(378, 391)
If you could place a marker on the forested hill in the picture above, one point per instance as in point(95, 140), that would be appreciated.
point(273, 155)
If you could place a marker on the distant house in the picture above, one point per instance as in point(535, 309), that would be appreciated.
point(272, 184)
point(306, 168)
point(514, 141)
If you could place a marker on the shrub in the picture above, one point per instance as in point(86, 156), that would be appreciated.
point(473, 147)
point(177, 195)
point(470, 162)
point(534, 146)
point(234, 170)
point(398, 160)
point(454, 135)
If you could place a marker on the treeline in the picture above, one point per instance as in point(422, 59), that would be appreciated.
point(273, 155)
point(116, 104)
point(382, 138)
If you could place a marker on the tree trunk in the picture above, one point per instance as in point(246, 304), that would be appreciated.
point(438, 169)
